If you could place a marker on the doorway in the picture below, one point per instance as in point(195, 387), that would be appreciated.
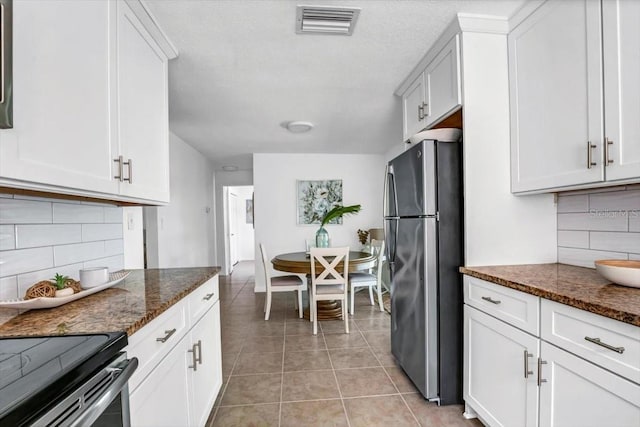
point(239, 231)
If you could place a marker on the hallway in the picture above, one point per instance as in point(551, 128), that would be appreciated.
point(276, 373)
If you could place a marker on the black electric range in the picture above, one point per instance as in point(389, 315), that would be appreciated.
point(36, 372)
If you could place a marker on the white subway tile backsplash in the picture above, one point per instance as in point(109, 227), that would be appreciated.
point(573, 239)
point(22, 260)
point(7, 237)
point(77, 214)
point(114, 263)
point(622, 242)
point(113, 215)
point(620, 200)
point(634, 221)
point(69, 254)
point(25, 281)
point(113, 247)
point(92, 232)
point(33, 235)
point(6, 195)
point(8, 288)
point(573, 203)
point(600, 221)
point(586, 257)
point(16, 211)
point(635, 257)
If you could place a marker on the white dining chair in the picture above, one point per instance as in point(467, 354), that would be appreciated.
point(327, 283)
point(370, 280)
point(280, 284)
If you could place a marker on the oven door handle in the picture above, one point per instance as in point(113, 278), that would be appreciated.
point(96, 409)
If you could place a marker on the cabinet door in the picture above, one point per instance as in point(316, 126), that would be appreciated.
point(578, 393)
point(621, 36)
point(62, 88)
point(162, 398)
point(555, 80)
point(413, 115)
point(206, 380)
point(443, 83)
point(142, 110)
point(495, 384)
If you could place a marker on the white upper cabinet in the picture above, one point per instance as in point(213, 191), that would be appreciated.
point(573, 76)
point(62, 122)
point(621, 38)
point(90, 85)
point(435, 92)
point(142, 110)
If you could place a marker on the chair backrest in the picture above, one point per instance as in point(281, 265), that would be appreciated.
point(329, 259)
point(378, 250)
point(265, 263)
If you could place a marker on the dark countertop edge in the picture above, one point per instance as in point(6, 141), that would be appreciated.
point(590, 306)
point(142, 322)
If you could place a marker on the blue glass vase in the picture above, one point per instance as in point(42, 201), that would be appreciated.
point(322, 238)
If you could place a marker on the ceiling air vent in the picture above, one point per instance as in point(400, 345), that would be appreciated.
point(326, 20)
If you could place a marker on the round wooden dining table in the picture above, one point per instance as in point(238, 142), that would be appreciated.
point(300, 263)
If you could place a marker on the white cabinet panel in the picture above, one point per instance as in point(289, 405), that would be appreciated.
point(142, 110)
point(555, 78)
point(578, 393)
point(443, 83)
point(621, 47)
point(495, 383)
point(413, 104)
point(62, 122)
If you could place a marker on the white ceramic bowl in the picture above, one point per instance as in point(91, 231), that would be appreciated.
point(621, 272)
point(92, 277)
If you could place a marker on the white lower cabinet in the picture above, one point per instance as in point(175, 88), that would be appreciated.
point(574, 392)
point(496, 356)
point(180, 389)
point(514, 377)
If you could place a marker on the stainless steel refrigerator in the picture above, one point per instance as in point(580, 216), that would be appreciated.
point(424, 239)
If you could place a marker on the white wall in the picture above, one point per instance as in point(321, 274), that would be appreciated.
point(226, 179)
point(182, 230)
point(599, 224)
point(275, 177)
point(132, 236)
point(246, 235)
point(500, 228)
point(41, 237)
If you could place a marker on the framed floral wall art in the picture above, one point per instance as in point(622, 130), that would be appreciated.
point(316, 198)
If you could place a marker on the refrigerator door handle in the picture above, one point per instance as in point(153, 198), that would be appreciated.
point(385, 194)
point(391, 182)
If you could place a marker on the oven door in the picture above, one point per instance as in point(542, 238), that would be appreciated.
point(103, 400)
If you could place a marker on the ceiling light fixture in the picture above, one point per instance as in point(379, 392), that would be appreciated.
point(229, 168)
point(299, 127)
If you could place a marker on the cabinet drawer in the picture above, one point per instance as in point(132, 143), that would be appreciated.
point(514, 307)
point(569, 328)
point(202, 299)
point(154, 341)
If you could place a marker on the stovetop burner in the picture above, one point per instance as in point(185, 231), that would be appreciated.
point(34, 370)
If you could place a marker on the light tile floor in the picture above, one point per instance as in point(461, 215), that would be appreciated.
point(276, 373)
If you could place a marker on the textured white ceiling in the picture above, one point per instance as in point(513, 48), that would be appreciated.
point(243, 71)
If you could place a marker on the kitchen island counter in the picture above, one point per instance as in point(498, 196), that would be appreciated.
point(579, 287)
point(140, 298)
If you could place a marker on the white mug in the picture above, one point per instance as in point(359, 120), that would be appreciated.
point(92, 277)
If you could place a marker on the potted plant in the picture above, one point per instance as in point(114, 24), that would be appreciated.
point(322, 236)
point(60, 282)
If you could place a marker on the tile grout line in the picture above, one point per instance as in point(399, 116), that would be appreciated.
point(284, 344)
point(335, 376)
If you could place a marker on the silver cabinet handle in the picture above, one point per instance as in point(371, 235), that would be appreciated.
point(130, 167)
point(540, 379)
point(492, 301)
point(420, 112)
point(199, 345)
point(527, 372)
point(167, 335)
point(605, 345)
point(607, 157)
point(425, 110)
point(119, 161)
point(194, 357)
point(207, 297)
point(590, 162)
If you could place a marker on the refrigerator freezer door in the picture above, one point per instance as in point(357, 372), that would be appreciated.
point(414, 306)
point(412, 182)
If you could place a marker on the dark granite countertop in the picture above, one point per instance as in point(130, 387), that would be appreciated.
point(130, 305)
point(578, 287)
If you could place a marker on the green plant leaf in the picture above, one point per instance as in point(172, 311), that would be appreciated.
point(339, 211)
